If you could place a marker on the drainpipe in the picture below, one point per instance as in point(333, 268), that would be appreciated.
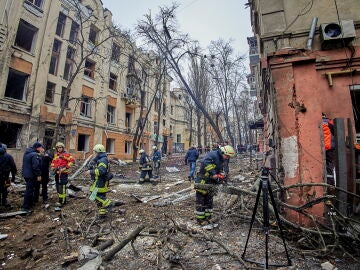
point(311, 33)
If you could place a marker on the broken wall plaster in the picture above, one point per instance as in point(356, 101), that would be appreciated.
point(290, 156)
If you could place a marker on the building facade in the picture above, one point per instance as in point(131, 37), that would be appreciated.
point(66, 57)
point(308, 65)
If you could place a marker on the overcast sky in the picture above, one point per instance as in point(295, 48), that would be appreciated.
point(204, 20)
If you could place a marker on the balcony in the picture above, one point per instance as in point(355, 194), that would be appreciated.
point(131, 101)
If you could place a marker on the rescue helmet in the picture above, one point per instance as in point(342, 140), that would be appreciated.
point(59, 144)
point(99, 148)
point(228, 150)
point(154, 147)
point(141, 151)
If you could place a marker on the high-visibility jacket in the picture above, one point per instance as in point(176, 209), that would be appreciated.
point(328, 130)
point(99, 173)
point(62, 160)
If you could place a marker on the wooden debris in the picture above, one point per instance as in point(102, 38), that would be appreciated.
point(13, 214)
point(145, 199)
point(110, 254)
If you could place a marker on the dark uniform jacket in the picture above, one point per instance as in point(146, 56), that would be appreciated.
point(31, 163)
point(7, 165)
point(211, 164)
point(191, 155)
point(100, 172)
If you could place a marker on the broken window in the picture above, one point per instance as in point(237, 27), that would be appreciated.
point(93, 34)
point(85, 106)
point(16, 84)
point(110, 116)
point(48, 137)
point(110, 146)
point(89, 70)
point(64, 98)
point(74, 30)
point(115, 53)
point(83, 142)
point(70, 54)
point(164, 122)
point(157, 104)
point(113, 81)
point(178, 138)
point(355, 98)
point(36, 3)
point(127, 147)
point(127, 120)
point(55, 57)
point(50, 91)
point(61, 24)
point(9, 134)
point(164, 109)
point(25, 36)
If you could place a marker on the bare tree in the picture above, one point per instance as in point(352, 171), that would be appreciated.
point(200, 84)
point(85, 45)
point(160, 32)
point(224, 68)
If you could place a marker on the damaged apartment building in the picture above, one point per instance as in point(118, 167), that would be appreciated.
point(43, 44)
point(306, 62)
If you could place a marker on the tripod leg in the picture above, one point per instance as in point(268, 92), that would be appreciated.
point(265, 185)
point(252, 218)
point(279, 223)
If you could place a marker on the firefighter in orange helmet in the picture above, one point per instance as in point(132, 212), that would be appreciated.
point(60, 165)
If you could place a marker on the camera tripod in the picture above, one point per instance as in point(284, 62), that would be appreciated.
point(265, 187)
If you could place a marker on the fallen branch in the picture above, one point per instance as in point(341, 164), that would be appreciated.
point(110, 254)
point(81, 167)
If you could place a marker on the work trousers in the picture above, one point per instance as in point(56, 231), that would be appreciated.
point(192, 166)
point(61, 181)
point(32, 192)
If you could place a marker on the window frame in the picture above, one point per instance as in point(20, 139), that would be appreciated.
point(51, 91)
point(18, 37)
point(85, 106)
point(55, 57)
point(61, 25)
point(113, 81)
point(110, 114)
point(26, 76)
point(89, 72)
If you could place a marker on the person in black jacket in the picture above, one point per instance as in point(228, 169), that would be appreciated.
point(190, 158)
point(7, 165)
point(145, 166)
point(32, 173)
point(211, 172)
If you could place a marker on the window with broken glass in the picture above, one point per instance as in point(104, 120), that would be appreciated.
point(50, 91)
point(25, 36)
point(54, 61)
point(16, 84)
point(110, 114)
point(85, 106)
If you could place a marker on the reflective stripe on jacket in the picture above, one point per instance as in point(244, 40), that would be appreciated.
point(62, 160)
point(99, 174)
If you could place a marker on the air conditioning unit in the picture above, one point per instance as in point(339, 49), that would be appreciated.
point(334, 35)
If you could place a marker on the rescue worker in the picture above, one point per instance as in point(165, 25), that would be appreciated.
point(100, 175)
point(60, 166)
point(226, 162)
point(211, 172)
point(145, 166)
point(31, 171)
point(156, 158)
point(7, 165)
point(329, 143)
point(190, 158)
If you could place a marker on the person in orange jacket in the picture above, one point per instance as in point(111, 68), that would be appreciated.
point(60, 165)
point(329, 143)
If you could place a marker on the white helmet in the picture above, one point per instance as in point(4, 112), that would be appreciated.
point(154, 147)
point(141, 151)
